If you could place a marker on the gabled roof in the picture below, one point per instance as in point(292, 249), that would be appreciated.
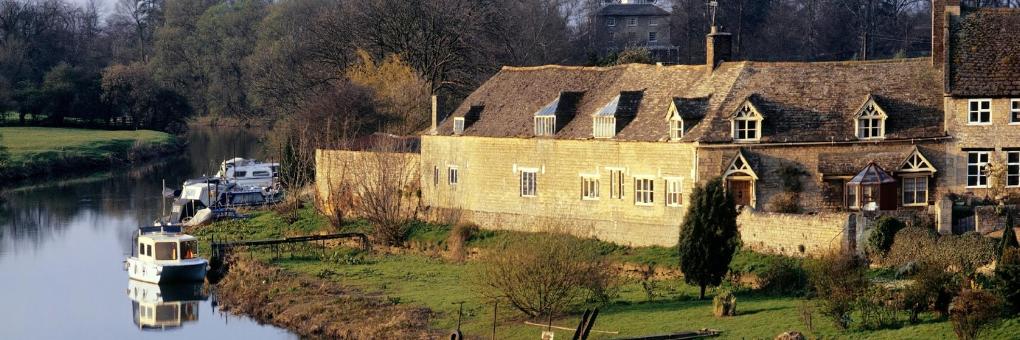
point(867, 102)
point(872, 174)
point(985, 53)
point(633, 10)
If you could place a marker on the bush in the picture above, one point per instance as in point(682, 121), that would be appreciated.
point(972, 310)
point(911, 244)
point(459, 236)
point(783, 276)
point(874, 311)
point(838, 281)
point(1007, 279)
point(881, 238)
point(543, 274)
point(724, 304)
point(933, 289)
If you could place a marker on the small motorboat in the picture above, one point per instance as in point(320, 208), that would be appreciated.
point(165, 254)
point(166, 306)
point(249, 172)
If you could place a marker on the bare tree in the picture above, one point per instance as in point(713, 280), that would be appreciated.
point(387, 188)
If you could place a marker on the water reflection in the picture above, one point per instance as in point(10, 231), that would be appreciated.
point(166, 306)
point(63, 241)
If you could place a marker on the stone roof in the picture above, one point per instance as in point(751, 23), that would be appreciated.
point(799, 101)
point(985, 53)
point(633, 10)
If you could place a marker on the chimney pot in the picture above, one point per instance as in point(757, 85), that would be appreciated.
point(435, 113)
point(718, 48)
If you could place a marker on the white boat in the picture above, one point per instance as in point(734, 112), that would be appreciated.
point(249, 172)
point(164, 254)
point(167, 306)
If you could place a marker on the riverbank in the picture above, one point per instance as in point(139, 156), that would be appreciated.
point(41, 151)
point(423, 276)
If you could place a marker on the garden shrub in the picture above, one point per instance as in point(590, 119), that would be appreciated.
point(1007, 279)
point(972, 310)
point(874, 312)
point(544, 274)
point(910, 245)
point(457, 241)
point(724, 304)
point(838, 280)
point(783, 276)
point(881, 238)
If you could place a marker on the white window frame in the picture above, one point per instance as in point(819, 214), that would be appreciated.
point(1013, 169)
point(676, 129)
point(616, 187)
point(452, 175)
point(674, 192)
point(914, 182)
point(589, 188)
point(545, 126)
point(458, 125)
point(611, 21)
point(653, 37)
point(653, 21)
point(745, 116)
point(971, 111)
point(529, 183)
point(604, 127)
point(980, 166)
point(1014, 112)
point(644, 190)
point(632, 22)
point(870, 122)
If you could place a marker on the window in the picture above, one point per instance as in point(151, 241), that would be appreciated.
point(141, 249)
point(644, 191)
point(915, 191)
point(189, 249)
point(260, 174)
point(851, 197)
point(528, 183)
point(616, 184)
point(747, 124)
point(435, 176)
point(589, 188)
point(1014, 111)
point(611, 21)
point(240, 173)
point(676, 129)
point(631, 22)
point(1013, 169)
point(871, 122)
point(545, 125)
point(653, 37)
point(166, 251)
point(673, 192)
point(976, 163)
point(612, 35)
point(979, 112)
point(605, 127)
point(148, 249)
point(458, 125)
point(653, 22)
point(452, 175)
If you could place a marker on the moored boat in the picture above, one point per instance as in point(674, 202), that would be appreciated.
point(165, 306)
point(165, 254)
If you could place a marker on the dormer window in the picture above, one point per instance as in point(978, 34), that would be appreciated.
point(676, 123)
point(545, 119)
point(605, 120)
point(870, 121)
point(458, 125)
point(746, 124)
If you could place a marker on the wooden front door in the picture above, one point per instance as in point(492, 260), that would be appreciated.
point(741, 191)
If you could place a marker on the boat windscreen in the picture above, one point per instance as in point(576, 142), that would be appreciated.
point(166, 251)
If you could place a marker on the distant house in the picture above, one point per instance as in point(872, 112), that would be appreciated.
point(632, 24)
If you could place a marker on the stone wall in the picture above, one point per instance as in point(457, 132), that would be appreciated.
point(793, 234)
point(364, 170)
point(768, 159)
point(989, 218)
point(997, 137)
point(488, 188)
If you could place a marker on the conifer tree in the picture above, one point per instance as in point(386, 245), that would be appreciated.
point(1008, 236)
point(708, 236)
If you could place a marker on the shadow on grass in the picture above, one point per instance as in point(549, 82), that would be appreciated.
point(758, 310)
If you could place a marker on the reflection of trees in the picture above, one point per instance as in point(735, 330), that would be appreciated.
point(125, 200)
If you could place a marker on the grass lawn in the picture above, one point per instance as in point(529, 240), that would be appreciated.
point(28, 142)
point(440, 285)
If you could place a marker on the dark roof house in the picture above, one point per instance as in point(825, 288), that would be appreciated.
point(985, 53)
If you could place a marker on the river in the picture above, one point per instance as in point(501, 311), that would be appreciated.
point(62, 245)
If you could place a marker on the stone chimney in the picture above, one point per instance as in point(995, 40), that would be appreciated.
point(718, 48)
point(942, 13)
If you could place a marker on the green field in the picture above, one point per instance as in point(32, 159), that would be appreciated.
point(424, 279)
point(41, 150)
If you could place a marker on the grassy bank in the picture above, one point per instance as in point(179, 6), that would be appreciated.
point(38, 151)
point(422, 278)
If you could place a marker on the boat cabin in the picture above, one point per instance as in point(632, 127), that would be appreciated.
point(166, 247)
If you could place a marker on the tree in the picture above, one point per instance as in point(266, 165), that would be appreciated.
point(1008, 236)
point(708, 236)
point(131, 91)
point(634, 55)
point(387, 190)
point(400, 93)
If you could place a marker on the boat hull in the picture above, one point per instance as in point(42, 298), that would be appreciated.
point(192, 270)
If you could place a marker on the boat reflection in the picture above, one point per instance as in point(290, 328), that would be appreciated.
point(166, 306)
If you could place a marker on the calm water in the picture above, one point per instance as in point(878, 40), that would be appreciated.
point(62, 247)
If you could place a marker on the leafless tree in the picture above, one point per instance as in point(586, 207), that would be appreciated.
point(387, 190)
